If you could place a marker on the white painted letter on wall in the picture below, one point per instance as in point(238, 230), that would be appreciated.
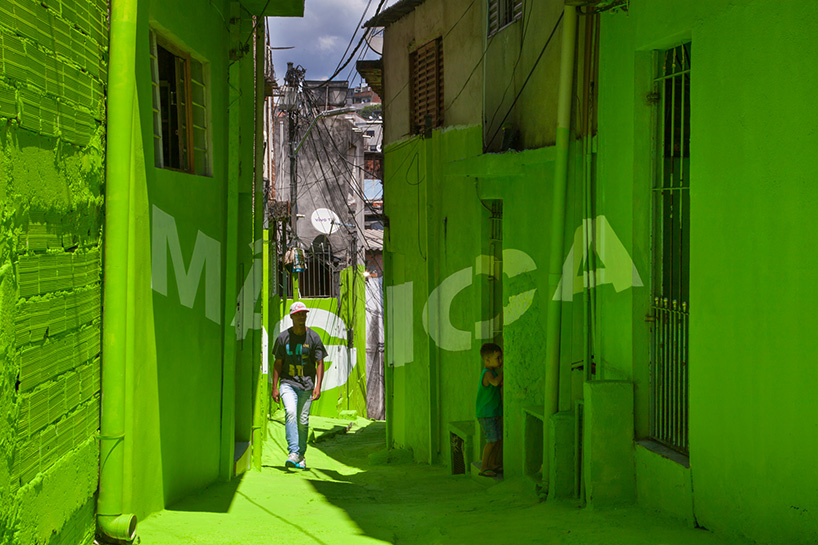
point(206, 257)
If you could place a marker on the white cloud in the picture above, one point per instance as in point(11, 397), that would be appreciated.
point(328, 43)
point(320, 37)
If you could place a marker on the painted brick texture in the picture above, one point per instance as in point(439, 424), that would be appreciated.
point(53, 71)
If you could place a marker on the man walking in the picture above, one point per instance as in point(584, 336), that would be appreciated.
point(299, 366)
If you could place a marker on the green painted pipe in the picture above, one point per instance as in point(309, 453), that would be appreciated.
point(552, 338)
point(259, 415)
point(229, 354)
point(121, 95)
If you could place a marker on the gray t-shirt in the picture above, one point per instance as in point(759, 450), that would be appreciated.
point(299, 355)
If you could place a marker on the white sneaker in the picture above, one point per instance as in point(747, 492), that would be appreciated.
point(293, 460)
point(302, 463)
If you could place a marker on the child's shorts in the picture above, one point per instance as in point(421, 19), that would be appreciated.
point(492, 428)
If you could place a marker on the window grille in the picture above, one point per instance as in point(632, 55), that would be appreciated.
point(180, 109)
point(496, 278)
point(320, 278)
point(426, 74)
point(458, 462)
point(671, 251)
point(502, 13)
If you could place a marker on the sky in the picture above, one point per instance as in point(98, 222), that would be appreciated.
point(320, 38)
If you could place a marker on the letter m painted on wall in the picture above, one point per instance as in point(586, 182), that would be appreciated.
point(206, 256)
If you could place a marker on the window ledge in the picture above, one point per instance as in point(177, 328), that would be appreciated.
point(665, 452)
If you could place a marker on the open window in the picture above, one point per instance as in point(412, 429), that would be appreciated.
point(180, 109)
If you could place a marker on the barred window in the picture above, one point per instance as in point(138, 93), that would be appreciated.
point(671, 250)
point(426, 77)
point(502, 13)
point(180, 110)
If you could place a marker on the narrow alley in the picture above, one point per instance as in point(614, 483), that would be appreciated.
point(523, 271)
point(353, 492)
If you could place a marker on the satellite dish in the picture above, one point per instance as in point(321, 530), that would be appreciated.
point(325, 221)
point(374, 39)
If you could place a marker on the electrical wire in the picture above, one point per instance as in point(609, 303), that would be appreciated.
point(359, 193)
point(354, 51)
point(354, 33)
point(526, 23)
point(332, 165)
point(531, 73)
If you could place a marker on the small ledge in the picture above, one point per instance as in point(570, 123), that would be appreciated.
point(463, 429)
point(665, 452)
point(537, 411)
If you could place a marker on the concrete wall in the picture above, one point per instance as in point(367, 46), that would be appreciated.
point(752, 209)
point(520, 74)
point(185, 388)
point(52, 166)
point(459, 22)
point(437, 191)
point(437, 294)
point(330, 174)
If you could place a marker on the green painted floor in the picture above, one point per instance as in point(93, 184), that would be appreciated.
point(351, 494)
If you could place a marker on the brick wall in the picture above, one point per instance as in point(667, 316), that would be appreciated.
point(53, 59)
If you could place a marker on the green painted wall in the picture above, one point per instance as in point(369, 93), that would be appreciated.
point(752, 212)
point(52, 137)
point(751, 202)
point(439, 226)
point(180, 234)
point(330, 318)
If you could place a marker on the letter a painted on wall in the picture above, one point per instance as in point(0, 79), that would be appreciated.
point(618, 267)
point(206, 256)
point(246, 317)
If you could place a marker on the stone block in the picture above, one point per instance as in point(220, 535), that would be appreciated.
point(608, 450)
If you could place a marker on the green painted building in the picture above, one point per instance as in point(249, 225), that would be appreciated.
point(147, 175)
point(619, 193)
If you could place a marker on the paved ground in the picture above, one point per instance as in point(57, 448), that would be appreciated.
point(354, 494)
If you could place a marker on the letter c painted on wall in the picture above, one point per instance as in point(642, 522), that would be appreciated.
point(436, 311)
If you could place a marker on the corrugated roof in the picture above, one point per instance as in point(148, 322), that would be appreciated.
point(374, 239)
point(393, 13)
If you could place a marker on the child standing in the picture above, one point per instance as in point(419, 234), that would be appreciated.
point(490, 409)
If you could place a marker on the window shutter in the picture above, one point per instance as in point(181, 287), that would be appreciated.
point(157, 114)
point(518, 10)
point(199, 119)
point(494, 17)
point(426, 65)
point(502, 13)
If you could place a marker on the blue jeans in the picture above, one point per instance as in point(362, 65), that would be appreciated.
point(297, 403)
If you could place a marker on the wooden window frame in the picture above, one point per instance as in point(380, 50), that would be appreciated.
point(187, 153)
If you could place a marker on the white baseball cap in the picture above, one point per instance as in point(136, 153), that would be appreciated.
point(298, 306)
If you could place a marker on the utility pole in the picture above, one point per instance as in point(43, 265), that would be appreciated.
point(352, 303)
point(290, 103)
point(292, 81)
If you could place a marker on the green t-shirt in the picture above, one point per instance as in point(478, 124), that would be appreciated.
point(489, 403)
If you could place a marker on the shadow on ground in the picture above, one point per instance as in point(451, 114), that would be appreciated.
point(353, 492)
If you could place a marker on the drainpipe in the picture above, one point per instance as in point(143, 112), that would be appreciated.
point(552, 339)
point(111, 521)
point(260, 407)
